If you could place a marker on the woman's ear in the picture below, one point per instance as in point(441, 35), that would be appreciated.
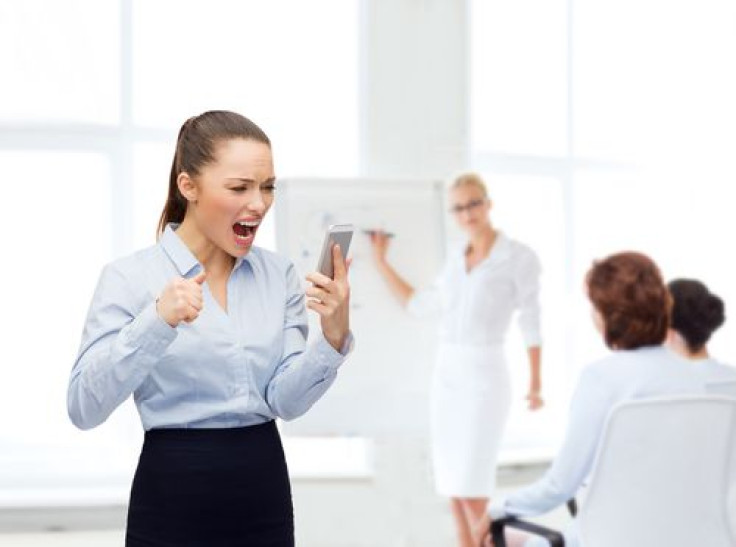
point(187, 187)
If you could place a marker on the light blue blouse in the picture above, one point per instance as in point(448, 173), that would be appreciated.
point(244, 367)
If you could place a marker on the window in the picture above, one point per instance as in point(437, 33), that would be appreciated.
point(518, 77)
point(92, 99)
point(624, 115)
point(53, 74)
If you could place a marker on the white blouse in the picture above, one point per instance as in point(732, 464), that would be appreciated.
point(476, 307)
point(719, 378)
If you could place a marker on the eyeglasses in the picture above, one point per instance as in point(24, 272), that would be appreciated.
point(457, 209)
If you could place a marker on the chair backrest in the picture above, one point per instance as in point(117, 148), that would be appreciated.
point(665, 474)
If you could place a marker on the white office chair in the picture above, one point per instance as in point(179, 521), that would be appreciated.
point(665, 474)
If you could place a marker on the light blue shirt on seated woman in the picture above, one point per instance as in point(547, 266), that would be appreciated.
point(242, 367)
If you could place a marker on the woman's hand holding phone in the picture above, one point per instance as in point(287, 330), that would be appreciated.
point(330, 298)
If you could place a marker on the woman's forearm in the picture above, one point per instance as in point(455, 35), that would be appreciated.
point(399, 287)
point(535, 369)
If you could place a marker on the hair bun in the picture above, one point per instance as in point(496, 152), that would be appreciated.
point(696, 312)
point(714, 312)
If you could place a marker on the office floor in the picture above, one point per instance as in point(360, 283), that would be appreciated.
point(99, 538)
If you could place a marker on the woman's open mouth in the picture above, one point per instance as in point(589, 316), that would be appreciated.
point(245, 232)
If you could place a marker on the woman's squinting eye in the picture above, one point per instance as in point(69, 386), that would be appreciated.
point(268, 188)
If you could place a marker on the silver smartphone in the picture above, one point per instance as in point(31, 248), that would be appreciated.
point(340, 234)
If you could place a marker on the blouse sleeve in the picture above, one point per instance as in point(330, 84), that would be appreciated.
point(526, 281)
point(588, 412)
point(304, 373)
point(426, 302)
point(119, 348)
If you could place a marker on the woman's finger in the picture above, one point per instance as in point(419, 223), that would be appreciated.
point(318, 307)
point(195, 301)
point(190, 314)
point(317, 293)
point(338, 262)
point(320, 280)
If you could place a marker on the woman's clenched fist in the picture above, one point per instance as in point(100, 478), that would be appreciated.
point(181, 300)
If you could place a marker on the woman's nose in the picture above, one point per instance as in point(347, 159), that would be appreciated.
point(257, 203)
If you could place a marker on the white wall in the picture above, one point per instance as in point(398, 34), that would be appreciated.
point(414, 95)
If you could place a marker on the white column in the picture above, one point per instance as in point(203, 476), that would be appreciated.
point(414, 88)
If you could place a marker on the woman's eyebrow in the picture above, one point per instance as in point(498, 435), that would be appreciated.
point(245, 179)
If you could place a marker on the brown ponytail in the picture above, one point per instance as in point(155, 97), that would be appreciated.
point(195, 148)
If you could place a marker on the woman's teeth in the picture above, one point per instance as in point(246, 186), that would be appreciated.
point(245, 231)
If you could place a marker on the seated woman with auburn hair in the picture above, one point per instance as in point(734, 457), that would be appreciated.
point(631, 310)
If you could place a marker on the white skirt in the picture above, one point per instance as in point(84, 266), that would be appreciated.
point(470, 400)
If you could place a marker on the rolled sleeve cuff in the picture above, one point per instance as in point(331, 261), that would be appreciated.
point(150, 333)
point(413, 305)
point(532, 339)
point(423, 303)
point(329, 357)
point(497, 509)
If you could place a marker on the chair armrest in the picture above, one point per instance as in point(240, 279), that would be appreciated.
point(554, 537)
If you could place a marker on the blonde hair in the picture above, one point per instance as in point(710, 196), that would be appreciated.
point(470, 179)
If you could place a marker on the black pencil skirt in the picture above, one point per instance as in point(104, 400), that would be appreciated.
point(213, 488)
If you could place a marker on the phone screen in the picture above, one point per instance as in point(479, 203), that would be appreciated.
point(340, 234)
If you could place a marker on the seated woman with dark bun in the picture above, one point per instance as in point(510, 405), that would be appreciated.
point(696, 315)
point(631, 308)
